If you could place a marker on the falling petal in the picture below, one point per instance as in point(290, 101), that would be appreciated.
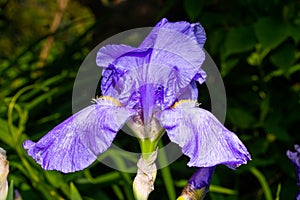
point(75, 143)
point(202, 137)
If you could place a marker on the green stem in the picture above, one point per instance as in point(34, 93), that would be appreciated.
point(278, 192)
point(261, 178)
point(166, 173)
point(143, 183)
point(147, 147)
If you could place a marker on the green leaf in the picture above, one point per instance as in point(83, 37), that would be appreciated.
point(240, 118)
point(215, 40)
point(294, 32)
point(4, 132)
point(118, 192)
point(264, 184)
point(227, 65)
point(74, 192)
point(270, 32)
point(294, 69)
point(259, 146)
point(222, 190)
point(239, 40)
point(10, 194)
point(278, 192)
point(102, 180)
point(284, 57)
point(166, 173)
point(55, 178)
point(193, 8)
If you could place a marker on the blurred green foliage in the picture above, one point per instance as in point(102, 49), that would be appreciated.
point(256, 44)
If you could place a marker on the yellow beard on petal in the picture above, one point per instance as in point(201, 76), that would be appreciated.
point(189, 102)
point(107, 100)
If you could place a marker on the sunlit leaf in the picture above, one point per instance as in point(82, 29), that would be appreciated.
point(10, 194)
point(74, 192)
point(4, 132)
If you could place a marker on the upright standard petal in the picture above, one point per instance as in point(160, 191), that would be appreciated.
point(75, 143)
point(170, 56)
point(182, 43)
point(107, 54)
point(202, 137)
point(182, 39)
point(195, 31)
point(134, 70)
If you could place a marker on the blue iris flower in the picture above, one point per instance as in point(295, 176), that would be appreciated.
point(151, 88)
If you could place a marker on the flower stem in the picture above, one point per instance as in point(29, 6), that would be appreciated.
point(263, 182)
point(147, 146)
point(143, 183)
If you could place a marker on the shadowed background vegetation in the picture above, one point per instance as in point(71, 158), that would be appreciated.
point(255, 44)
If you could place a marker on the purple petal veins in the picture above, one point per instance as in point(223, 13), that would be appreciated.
point(75, 143)
point(202, 137)
point(151, 87)
point(159, 72)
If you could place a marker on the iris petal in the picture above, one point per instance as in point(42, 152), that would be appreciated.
point(75, 143)
point(202, 177)
point(111, 75)
point(177, 44)
point(170, 56)
point(195, 31)
point(295, 159)
point(190, 92)
point(202, 137)
point(107, 54)
point(198, 184)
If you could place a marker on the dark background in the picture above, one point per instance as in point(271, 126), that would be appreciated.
point(255, 44)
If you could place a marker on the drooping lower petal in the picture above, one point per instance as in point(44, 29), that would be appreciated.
point(75, 143)
point(202, 137)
